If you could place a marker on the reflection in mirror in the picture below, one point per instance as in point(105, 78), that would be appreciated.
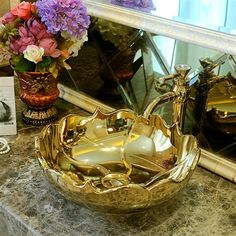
point(211, 14)
point(144, 5)
point(124, 68)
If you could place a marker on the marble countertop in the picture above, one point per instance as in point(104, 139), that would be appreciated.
point(30, 206)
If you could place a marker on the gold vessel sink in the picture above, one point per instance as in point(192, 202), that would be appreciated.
point(117, 162)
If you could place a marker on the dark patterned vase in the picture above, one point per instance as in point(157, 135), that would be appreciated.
point(38, 91)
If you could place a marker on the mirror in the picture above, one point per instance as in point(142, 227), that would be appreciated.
point(210, 23)
point(215, 15)
point(110, 73)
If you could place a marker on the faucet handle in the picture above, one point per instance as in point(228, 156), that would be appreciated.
point(183, 70)
point(162, 85)
point(208, 64)
point(205, 62)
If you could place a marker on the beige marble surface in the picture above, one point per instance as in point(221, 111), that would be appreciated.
point(30, 206)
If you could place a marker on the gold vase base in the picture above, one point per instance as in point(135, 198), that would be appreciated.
point(39, 117)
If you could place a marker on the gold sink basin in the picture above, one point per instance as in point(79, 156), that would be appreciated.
point(116, 162)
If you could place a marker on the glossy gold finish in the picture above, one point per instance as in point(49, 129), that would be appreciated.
point(179, 95)
point(217, 95)
point(116, 162)
point(207, 81)
point(221, 106)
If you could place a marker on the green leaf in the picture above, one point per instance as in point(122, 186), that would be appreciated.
point(24, 65)
point(45, 62)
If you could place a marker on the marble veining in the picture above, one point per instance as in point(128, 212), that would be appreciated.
point(30, 206)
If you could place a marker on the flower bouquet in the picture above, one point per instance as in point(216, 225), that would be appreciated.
point(38, 38)
point(41, 36)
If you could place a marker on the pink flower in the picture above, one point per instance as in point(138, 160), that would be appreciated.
point(32, 32)
point(20, 44)
point(23, 10)
point(8, 17)
point(38, 29)
point(50, 47)
point(24, 32)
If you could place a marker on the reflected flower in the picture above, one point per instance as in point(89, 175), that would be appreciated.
point(143, 5)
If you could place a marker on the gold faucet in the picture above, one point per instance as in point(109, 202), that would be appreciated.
point(206, 80)
point(179, 95)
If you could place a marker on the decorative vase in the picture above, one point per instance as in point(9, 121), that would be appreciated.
point(39, 91)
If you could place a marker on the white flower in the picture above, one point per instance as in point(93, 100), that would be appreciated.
point(33, 53)
point(77, 43)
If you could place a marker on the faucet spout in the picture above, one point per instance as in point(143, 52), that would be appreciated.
point(167, 97)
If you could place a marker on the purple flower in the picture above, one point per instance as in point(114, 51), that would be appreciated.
point(144, 5)
point(68, 16)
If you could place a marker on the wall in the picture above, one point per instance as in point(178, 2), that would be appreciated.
point(5, 6)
